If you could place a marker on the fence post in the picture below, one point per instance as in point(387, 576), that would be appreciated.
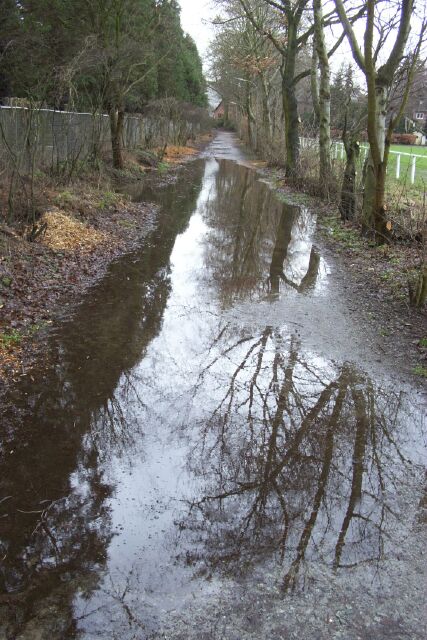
point(413, 160)
point(398, 167)
point(341, 151)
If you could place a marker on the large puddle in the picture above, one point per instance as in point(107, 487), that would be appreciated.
point(209, 457)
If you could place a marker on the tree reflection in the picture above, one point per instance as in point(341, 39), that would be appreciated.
point(61, 425)
point(256, 240)
point(299, 457)
point(277, 272)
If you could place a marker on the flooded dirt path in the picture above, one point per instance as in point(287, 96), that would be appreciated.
point(219, 451)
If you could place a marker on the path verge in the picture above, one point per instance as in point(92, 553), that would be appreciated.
point(373, 279)
point(85, 224)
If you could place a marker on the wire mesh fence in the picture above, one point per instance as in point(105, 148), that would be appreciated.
point(45, 138)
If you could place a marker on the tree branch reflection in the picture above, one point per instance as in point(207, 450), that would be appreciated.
point(299, 458)
point(255, 238)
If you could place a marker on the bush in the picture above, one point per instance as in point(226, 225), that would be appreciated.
point(404, 138)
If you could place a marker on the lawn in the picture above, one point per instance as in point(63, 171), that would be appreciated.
point(405, 148)
point(405, 160)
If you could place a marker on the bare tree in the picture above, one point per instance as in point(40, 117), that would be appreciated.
point(296, 457)
point(324, 104)
point(244, 68)
point(289, 39)
point(380, 24)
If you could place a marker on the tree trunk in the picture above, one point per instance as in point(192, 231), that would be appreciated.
point(347, 206)
point(251, 121)
point(374, 214)
point(314, 86)
point(266, 116)
point(378, 80)
point(382, 232)
point(290, 103)
point(290, 113)
point(117, 116)
point(374, 218)
point(325, 170)
point(418, 290)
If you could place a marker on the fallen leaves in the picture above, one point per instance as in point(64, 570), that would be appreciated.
point(88, 225)
point(174, 154)
point(65, 233)
point(37, 278)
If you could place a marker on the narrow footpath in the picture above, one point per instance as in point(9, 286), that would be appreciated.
point(219, 449)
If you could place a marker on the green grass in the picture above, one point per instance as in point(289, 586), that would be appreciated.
point(417, 150)
point(108, 199)
point(419, 370)
point(162, 167)
point(297, 198)
point(14, 337)
point(420, 164)
point(405, 164)
point(9, 339)
point(343, 235)
point(64, 198)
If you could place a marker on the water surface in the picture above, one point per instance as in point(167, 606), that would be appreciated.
point(210, 455)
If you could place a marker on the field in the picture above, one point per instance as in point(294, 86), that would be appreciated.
point(405, 160)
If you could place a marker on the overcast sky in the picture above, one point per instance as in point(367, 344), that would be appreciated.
point(195, 16)
point(193, 12)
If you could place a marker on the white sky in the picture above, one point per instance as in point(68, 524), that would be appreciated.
point(195, 16)
point(193, 12)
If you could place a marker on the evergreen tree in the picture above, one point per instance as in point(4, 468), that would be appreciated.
point(344, 88)
point(194, 78)
point(73, 52)
point(179, 72)
point(9, 29)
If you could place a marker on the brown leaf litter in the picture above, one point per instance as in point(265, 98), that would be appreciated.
point(65, 233)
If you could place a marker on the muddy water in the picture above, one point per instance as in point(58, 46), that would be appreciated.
point(215, 452)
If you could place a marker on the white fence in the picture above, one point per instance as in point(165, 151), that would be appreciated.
point(338, 152)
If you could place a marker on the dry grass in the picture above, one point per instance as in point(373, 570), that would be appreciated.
point(65, 233)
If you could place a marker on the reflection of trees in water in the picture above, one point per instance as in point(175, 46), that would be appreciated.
point(288, 270)
point(255, 239)
point(299, 457)
point(65, 425)
point(46, 544)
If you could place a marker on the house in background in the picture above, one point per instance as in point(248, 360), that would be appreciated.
point(419, 113)
point(412, 127)
point(219, 111)
point(416, 108)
